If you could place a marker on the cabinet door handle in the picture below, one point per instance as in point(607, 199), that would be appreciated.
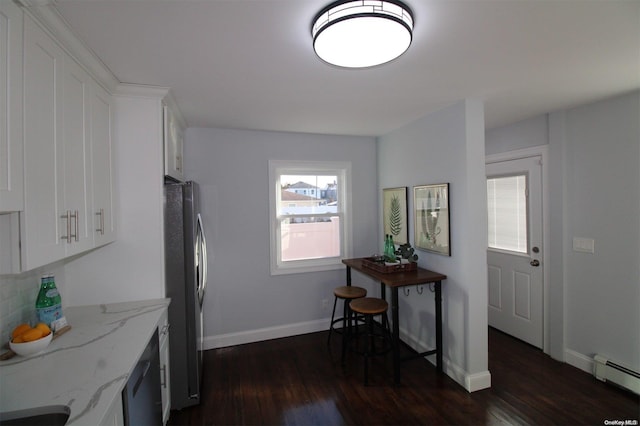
point(101, 228)
point(73, 216)
point(163, 382)
point(76, 215)
point(67, 216)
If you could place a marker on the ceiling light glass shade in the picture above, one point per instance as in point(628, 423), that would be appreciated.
point(360, 34)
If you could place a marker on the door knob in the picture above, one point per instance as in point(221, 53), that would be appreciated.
point(535, 262)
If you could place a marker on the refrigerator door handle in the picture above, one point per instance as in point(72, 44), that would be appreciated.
point(202, 284)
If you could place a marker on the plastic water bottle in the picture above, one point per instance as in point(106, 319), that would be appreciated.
point(49, 302)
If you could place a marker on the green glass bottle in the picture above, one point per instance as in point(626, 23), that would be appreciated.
point(389, 255)
point(49, 302)
point(386, 246)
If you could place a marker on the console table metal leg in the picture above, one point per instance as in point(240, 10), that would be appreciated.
point(438, 301)
point(348, 275)
point(396, 335)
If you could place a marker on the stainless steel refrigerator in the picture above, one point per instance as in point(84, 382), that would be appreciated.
point(186, 281)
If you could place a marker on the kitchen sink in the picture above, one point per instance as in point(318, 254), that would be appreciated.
point(52, 415)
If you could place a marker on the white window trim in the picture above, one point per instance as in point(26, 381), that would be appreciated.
point(342, 169)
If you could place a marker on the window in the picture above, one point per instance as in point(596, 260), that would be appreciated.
point(309, 232)
point(507, 201)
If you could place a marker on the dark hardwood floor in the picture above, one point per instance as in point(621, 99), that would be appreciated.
point(299, 381)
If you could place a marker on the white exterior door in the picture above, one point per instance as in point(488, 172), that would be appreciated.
point(514, 255)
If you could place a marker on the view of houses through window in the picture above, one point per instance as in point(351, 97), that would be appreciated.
point(309, 219)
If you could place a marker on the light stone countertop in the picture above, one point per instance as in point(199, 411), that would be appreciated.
point(86, 368)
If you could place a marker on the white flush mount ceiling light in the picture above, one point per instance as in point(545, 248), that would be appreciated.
point(361, 34)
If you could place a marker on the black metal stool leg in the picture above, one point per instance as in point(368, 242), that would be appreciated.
point(369, 348)
point(333, 314)
point(345, 329)
point(387, 330)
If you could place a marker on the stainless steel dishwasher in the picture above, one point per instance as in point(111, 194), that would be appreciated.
point(141, 396)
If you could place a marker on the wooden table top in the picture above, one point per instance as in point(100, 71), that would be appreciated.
point(397, 279)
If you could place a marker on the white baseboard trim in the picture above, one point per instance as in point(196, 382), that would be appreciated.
point(578, 360)
point(477, 381)
point(258, 335)
point(471, 382)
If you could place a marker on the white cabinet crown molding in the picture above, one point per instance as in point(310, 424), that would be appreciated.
point(141, 91)
point(32, 3)
point(46, 14)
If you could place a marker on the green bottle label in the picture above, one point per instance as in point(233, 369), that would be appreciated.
point(52, 292)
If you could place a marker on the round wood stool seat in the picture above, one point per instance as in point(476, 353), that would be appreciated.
point(349, 292)
point(346, 293)
point(369, 306)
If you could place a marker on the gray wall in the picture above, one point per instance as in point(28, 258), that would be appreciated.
point(603, 202)
point(243, 301)
point(594, 173)
point(447, 146)
point(520, 135)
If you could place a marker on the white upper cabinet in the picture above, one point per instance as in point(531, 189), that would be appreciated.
point(11, 192)
point(76, 159)
point(43, 229)
point(102, 167)
point(173, 143)
point(56, 144)
point(68, 159)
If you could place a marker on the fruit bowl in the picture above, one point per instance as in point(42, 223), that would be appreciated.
point(33, 347)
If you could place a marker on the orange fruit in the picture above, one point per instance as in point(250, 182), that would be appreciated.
point(18, 339)
point(44, 328)
point(19, 330)
point(31, 335)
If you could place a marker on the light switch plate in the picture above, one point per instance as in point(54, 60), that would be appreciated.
point(584, 245)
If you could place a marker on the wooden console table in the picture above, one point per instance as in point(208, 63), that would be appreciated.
point(395, 280)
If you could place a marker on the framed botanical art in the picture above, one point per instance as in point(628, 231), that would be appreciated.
point(431, 214)
point(394, 214)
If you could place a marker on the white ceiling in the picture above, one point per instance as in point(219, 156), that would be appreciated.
point(250, 64)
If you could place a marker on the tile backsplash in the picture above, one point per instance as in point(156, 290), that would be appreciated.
point(18, 295)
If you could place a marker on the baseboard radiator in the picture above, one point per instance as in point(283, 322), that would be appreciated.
point(608, 371)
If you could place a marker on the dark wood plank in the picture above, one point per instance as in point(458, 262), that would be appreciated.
point(299, 381)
